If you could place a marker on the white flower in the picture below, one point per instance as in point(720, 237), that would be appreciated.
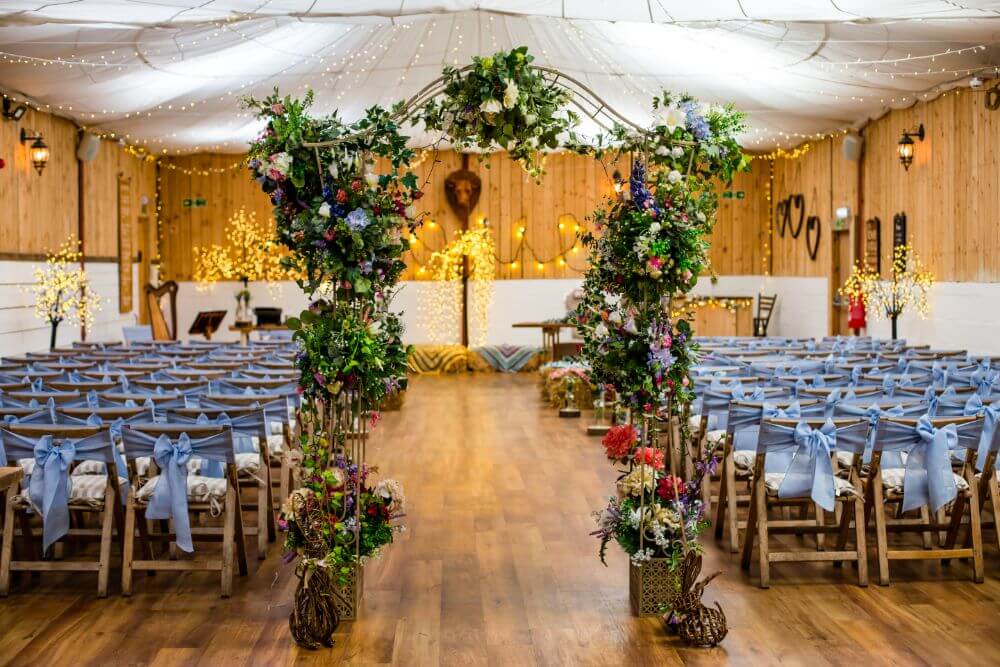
point(631, 327)
point(677, 151)
point(673, 117)
point(371, 179)
point(530, 119)
point(324, 210)
point(490, 106)
point(662, 151)
point(654, 228)
point(632, 483)
point(533, 142)
point(701, 216)
point(334, 171)
point(281, 162)
point(612, 299)
point(601, 331)
point(510, 94)
point(411, 211)
point(615, 318)
point(674, 176)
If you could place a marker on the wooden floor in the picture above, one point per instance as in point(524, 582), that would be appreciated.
point(498, 568)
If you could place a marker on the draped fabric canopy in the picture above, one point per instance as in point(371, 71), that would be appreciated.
point(168, 74)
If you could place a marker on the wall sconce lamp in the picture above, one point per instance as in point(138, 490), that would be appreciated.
point(13, 111)
point(38, 151)
point(906, 146)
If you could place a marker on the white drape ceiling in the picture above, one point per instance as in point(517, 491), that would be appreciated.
point(169, 73)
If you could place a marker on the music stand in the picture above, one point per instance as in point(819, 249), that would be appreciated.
point(207, 323)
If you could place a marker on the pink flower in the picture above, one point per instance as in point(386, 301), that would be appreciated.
point(278, 108)
point(655, 263)
point(670, 487)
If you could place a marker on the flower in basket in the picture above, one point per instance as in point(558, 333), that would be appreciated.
point(619, 441)
point(641, 477)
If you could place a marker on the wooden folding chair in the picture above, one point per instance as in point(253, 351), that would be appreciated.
point(896, 436)
point(793, 436)
point(98, 494)
point(207, 442)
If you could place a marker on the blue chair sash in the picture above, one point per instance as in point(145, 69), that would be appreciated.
point(169, 499)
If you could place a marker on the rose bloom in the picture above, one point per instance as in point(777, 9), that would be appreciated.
point(650, 456)
point(618, 441)
point(670, 487)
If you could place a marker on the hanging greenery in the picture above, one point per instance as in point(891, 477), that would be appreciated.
point(501, 101)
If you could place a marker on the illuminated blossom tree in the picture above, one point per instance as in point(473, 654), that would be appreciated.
point(906, 288)
point(62, 292)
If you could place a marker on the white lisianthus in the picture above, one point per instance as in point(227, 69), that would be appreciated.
point(334, 171)
point(490, 106)
point(662, 151)
point(601, 331)
point(654, 228)
point(281, 162)
point(324, 210)
point(674, 176)
point(371, 179)
point(673, 117)
point(677, 151)
point(510, 94)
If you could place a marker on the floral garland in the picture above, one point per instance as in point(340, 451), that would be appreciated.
point(502, 101)
point(651, 244)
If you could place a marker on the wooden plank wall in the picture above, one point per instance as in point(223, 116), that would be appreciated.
point(100, 202)
point(740, 225)
point(951, 193)
point(38, 212)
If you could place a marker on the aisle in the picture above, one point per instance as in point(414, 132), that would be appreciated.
point(498, 568)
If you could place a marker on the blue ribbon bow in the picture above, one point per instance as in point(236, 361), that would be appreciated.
point(49, 486)
point(928, 478)
point(811, 469)
point(170, 499)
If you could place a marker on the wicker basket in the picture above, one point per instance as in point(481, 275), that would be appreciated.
point(651, 585)
point(350, 605)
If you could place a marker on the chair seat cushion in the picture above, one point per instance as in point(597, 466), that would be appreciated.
point(248, 462)
point(90, 489)
point(142, 465)
point(200, 489)
point(773, 480)
point(743, 459)
point(276, 444)
point(892, 480)
point(89, 468)
point(716, 437)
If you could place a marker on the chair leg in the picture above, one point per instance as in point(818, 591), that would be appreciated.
point(862, 543)
point(129, 548)
point(240, 536)
point(107, 524)
point(762, 547)
point(748, 538)
point(228, 537)
point(994, 489)
point(820, 521)
point(976, 527)
point(7, 548)
point(881, 541)
point(720, 509)
point(732, 519)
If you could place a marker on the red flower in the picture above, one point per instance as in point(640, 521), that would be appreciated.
point(618, 441)
point(650, 456)
point(356, 185)
point(416, 194)
point(670, 487)
point(341, 196)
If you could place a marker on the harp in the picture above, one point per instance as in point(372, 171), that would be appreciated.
point(156, 317)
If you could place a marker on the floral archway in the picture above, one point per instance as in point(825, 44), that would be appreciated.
point(345, 225)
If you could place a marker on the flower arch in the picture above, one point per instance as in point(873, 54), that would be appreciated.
point(344, 224)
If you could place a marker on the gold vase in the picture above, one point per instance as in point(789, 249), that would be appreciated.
point(651, 585)
point(348, 600)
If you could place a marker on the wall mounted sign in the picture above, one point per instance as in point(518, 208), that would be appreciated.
point(125, 249)
point(873, 244)
point(898, 230)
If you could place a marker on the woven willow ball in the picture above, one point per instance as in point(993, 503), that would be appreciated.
point(704, 627)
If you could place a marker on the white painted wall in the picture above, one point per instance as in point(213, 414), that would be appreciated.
point(21, 331)
point(963, 315)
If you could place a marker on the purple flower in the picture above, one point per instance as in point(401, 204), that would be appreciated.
point(357, 219)
point(319, 378)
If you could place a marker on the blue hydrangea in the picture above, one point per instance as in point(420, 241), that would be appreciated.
point(696, 123)
point(357, 220)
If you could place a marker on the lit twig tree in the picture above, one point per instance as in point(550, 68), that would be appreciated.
point(250, 254)
point(906, 288)
point(62, 292)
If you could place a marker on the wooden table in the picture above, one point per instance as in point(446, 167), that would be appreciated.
point(246, 329)
point(550, 334)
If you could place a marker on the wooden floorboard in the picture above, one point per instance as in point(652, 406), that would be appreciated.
point(497, 568)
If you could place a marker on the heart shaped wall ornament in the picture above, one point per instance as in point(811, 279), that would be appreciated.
point(812, 236)
point(799, 202)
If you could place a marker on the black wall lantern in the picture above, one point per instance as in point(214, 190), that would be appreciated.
point(906, 146)
point(39, 150)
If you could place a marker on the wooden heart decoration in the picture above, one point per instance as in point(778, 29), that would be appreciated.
point(783, 213)
point(812, 244)
point(799, 202)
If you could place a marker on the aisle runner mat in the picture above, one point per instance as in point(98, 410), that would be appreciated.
point(505, 358)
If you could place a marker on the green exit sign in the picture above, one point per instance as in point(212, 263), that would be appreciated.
point(194, 203)
point(734, 194)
